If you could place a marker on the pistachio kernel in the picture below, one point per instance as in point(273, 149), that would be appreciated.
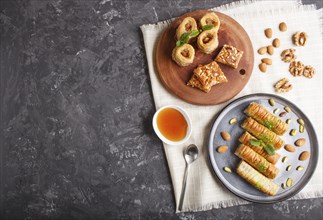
point(284, 160)
point(301, 128)
point(299, 168)
point(276, 111)
point(293, 132)
point(289, 182)
point(287, 109)
point(300, 121)
point(289, 168)
point(233, 121)
point(288, 121)
point(271, 102)
point(227, 169)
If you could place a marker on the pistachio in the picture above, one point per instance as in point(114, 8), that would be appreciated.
point(221, 149)
point(271, 102)
point(276, 42)
point(233, 121)
point(262, 50)
point(304, 155)
point(289, 182)
point(293, 132)
point(268, 32)
point(276, 110)
point(225, 135)
point(288, 121)
point(263, 67)
point(289, 167)
point(301, 129)
point(267, 61)
point(227, 169)
point(285, 159)
point(282, 27)
point(287, 109)
point(299, 168)
point(283, 185)
point(300, 142)
point(270, 50)
point(282, 114)
point(300, 121)
point(289, 148)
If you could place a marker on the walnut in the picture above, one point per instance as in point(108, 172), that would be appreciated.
point(309, 71)
point(288, 55)
point(300, 38)
point(283, 85)
point(296, 68)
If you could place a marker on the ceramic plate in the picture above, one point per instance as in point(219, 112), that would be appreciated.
point(237, 184)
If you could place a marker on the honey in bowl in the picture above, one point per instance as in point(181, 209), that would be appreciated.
point(172, 124)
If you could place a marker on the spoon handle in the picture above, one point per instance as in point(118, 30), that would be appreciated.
point(181, 199)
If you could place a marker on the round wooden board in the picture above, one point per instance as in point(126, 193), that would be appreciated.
point(175, 77)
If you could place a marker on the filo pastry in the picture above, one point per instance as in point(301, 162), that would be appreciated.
point(211, 18)
point(183, 55)
point(245, 139)
point(262, 133)
point(186, 26)
point(208, 41)
point(264, 117)
point(257, 179)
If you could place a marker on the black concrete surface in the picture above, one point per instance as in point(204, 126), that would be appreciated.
point(76, 110)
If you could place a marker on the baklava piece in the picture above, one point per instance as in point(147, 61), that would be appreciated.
point(211, 18)
point(183, 55)
point(229, 55)
point(204, 77)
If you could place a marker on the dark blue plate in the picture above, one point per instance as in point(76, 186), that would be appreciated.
point(237, 184)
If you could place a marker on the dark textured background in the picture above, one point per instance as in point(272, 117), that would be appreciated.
point(76, 111)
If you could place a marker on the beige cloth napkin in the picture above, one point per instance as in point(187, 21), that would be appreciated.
point(204, 191)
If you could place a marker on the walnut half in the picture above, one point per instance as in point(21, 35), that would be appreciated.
point(288, 55)
point(300, 38)
point(283, 85)
point(309, 71)
point(296, 68)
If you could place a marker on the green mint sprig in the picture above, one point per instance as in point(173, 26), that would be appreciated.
point(185, 38)
point(259, 143)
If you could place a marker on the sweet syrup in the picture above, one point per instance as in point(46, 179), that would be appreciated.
point(172, 124)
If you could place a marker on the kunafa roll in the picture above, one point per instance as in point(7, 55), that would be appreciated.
point(183, 55)
point(245, 139)
point(257, 179)
point(257, 161)
point(211, 18)
point(186, 26)
point(262, 133)
point(264, 117)
point(208, 41)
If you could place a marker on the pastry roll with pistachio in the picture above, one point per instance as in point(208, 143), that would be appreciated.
point(208, 41)
point(264, 117)
point(257, 179)
point(262, 133)
point(186, 26)
point(257, 161)
point(245, 139)
point(211, 18)
point(183, 55)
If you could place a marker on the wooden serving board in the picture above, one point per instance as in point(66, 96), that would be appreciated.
point(175, 77)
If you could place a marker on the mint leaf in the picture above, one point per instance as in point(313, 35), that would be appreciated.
point(194, 33)
point(255, 142)
point(207, 27)
point(269, 149)
point(179, 43)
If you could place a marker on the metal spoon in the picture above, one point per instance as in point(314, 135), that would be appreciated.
point(190, 155)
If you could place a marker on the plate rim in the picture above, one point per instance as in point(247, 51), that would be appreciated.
point(292, 193)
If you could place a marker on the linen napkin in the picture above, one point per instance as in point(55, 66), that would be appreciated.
point(204, 191)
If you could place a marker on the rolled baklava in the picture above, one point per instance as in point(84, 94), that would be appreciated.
point(256, 179)
point(257, 161)
point(186, 26)
point(183, 55)
point(264, 117)
point(208, 41)
point(262, 133)
point(211, 18)
point(245, 139)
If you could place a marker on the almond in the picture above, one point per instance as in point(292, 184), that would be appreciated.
point(268, 32)
point(225, 135)
point(262, 50)
point(300, 142)
point(221, 149)
point(263, 67)
point(270, 50)
point(267, 61)
point(282, 27)
point(276, 42)
point(289, 148)
point(304, 155)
